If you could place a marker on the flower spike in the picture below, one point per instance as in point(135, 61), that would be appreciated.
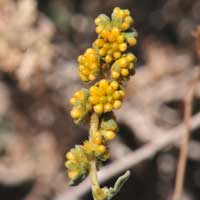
point(109, 64)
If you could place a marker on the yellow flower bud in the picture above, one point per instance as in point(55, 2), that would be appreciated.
point(131, 41)
point(131, 66)
point(97, 20)
point(128, 20)
point(103, 99)
point(72, 100)
point(109, 135)
point(88, 146)
point(72, 174)
point(105, 34)
point(99, 42)
point(130, 57)
point(124, 72)
point(114, 46)
point(103, 83)
point(108, 59)
point(115, 75)
point(94, 99)
point(92, 57)
point(109, 90)
point(69, 155)
point(114, 85)
point(109, 98)
point(79, 94)
point(67, 163)
point(120, 39)
point(101, 149)
point(117, 54)
point(99, 29)
point(126, 12)
point(120, 13)
point(115, 32)
point(116, 9)
point(111, 38)
point(91, 77)
point(122, 62)
point(80, 59)
point(93, 66)
point(117, 95)
point(125, 26)
point(102, 52)
point(123, 47)
point(98, 108)
point(97, 140)
point(122, 93)
point(106, 46)
point(89, 51)
point(107, 107)
point(75, 113)
point(117, 104)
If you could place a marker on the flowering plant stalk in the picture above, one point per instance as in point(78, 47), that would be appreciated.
point(109, 64)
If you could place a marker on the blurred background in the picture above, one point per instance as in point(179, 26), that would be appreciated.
point(39, 43)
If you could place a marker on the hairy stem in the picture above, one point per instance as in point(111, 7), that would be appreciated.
point(94, 123)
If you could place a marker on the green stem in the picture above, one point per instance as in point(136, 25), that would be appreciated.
point(94, 123)
point(93, 176)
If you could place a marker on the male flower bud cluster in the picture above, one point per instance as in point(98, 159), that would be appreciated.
point(81, 106)
point(108, 128)
point(122, 19)
point(88, 65)
point(77, 164)
point(113, 41)
point(105, 96)
point(123, 67)
point(111, 45)
point(96, 150)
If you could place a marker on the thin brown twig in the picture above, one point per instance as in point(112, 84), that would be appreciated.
point(188, 102)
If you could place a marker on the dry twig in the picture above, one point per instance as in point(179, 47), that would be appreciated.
point(184, 146)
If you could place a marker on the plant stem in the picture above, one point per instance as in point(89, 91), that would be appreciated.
point(184, 147)
point(93, 176)
point(184, 150)
point(94, 123)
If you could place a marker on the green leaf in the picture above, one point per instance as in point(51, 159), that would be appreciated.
point(118, 185)
point(109, 124)
point(78, 180)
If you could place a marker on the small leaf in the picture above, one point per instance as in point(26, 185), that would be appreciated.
point(131, 33)
point(118, 185)
point(109, 124)
point(78, 180)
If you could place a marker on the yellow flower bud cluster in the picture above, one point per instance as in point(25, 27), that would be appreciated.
point(77, 164)
point(122, 18)
point(107, 130)
point(111, 44)
point(81, 106)
point(88, 65)
point(123, 67)
point(108, 127)
point(113, 41)
point(98, 150)
point(105, 96)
